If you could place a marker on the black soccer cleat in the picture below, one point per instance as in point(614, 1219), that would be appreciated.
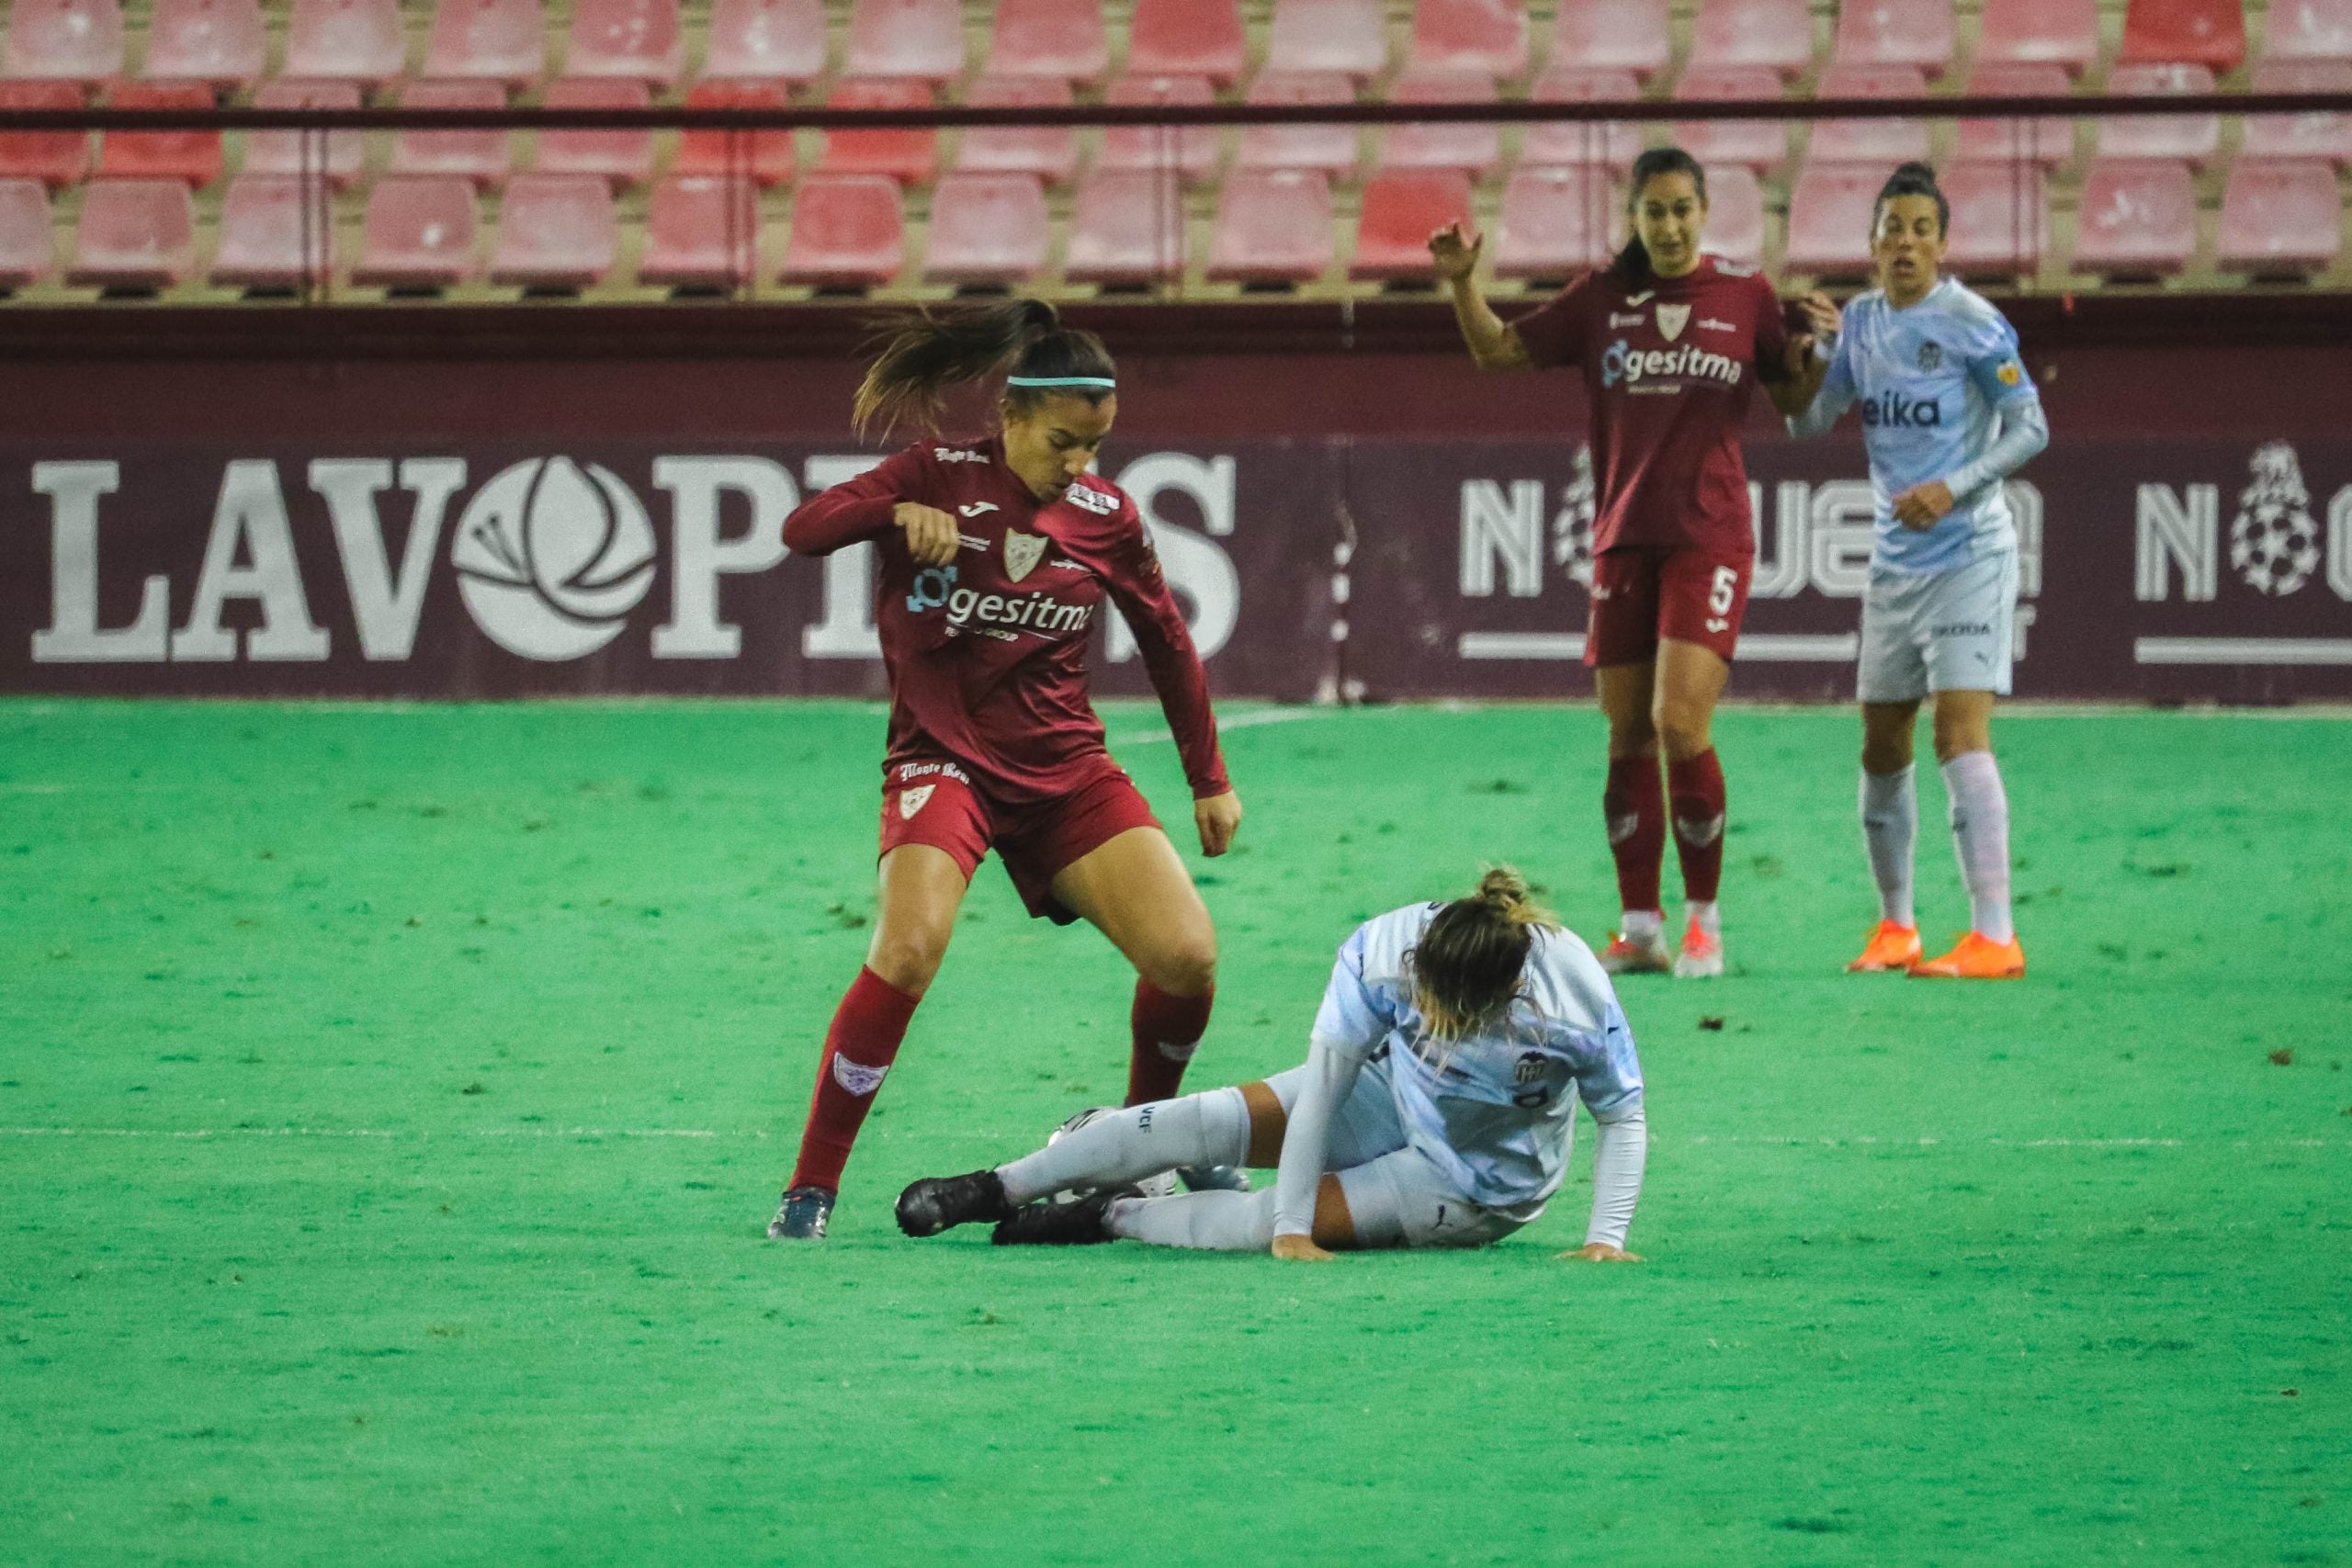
point(802, 1215)
point(1082, 1223)
point(932, 1204)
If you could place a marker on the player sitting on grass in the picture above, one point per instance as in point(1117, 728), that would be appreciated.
point(1434, 1108)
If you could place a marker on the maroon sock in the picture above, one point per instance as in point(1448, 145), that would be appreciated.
point(859, 1048)
point(1634, 805)
point(1166, 1031)
point(1695, 786)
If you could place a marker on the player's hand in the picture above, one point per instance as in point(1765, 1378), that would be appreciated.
point(931, 533)
point(1300, 1249)
point(1923, 506)
point(1820, 314)
point(1597, 1252)
point(1455, 252)
point(1218, 818)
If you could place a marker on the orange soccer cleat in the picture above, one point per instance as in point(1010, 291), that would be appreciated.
point(1647, 954)
point(1702, 957)
point(1978, 957)
point(1891, 948)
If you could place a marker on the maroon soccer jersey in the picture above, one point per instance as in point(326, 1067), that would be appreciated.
point(1669, 370)
point(987, 655)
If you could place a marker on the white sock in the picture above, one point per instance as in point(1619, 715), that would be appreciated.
point(1707, 915)
point(1209, 1128)
point(1890, 807)
point(1980, 836)
point(1214, 1221)
point(1640, 926)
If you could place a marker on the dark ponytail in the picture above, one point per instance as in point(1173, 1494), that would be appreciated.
point(919, 355)
point(1912, 179)
point(1466, 966)
point(1633, 262)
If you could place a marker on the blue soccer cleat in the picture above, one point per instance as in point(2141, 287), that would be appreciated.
point(802, 1215)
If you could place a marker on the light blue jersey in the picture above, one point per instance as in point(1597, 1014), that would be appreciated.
point(1938, 382)
point(1495, 1113)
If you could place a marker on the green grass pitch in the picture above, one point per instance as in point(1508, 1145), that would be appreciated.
point(391, 1100)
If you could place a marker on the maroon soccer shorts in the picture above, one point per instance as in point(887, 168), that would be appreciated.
point(1640, 594)
point(936, 802)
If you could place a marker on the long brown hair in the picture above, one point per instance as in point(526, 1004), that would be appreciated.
point(919, 355)
point(1633, 262)
point(1466, 966)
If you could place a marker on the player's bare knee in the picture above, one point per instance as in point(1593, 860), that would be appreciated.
point(908, 961)
point(1186, 967)
point(1632, 735)
point(1683, 731)
point(1957, 734)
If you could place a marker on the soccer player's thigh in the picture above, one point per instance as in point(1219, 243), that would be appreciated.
point(1969, 614)
point(1364, 1128)
point(1400, 1200)
point(1702, 598)
point(934, 834)
point(1621, 645)
point(1891, 672)
point(1110, 865)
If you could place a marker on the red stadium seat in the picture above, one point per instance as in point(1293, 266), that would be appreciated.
point(2184, 32)
point(702, 231)
point(987, 229)
point(481, 156)
point(1400, 211)
point(65, 41)
point(192, 157)
point(2327, 136)
point(1917, 33)
point(1775, 34)
point(2280, 219)
point(277, 231)
point(2135, 217)
point(555, 232)
point(1127, 228)
point(1345, 35)
point(1485, 37)
point(1883, 141)
point(2000, 220)
point(1049, 152)
point(1186, 38)
point(766, 156)
point(922, 38)
point(1473, 149)
point(1062, 38)
point(781, 41)
point(910, 157)
point(2196, 138)
point(503, 41)
point(624, 158)
point(55, 158)
point(1332, 148)
point(1832, 208)
point(27, 238)
point(847, 232)
point(2046, 140)
point(220, 41)
point(2308, 30)
point(1734, 213)
point(1273, 226)
point(2039, 32)
point(1755, 143)
point(1568, 143)
point(134, 235)
point(341, 155)
point(1612, 35)
point(1555, 222)
point(1191, 151)
point(346, 40)
point(636, 38)
point(421, 233)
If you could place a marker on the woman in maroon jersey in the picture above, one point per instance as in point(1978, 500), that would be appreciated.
point(1667, 337)
point(994, 557)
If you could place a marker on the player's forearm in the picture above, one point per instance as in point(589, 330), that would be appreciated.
point(1793, 397)
point(2025, 431)
point(1617, 1163)
point(1492, 342)
point(1818, 417)
point(1307, 1139)
point(836, 517)
point(1181, 683)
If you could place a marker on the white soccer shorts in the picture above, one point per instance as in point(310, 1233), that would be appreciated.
point(1938, 631)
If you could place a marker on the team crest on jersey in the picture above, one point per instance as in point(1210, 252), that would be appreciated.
point(1931, 357)
point(2009, 374)
point(1671, 319)
point(914, 800)
point(1530, 1067)
point(1022, 553)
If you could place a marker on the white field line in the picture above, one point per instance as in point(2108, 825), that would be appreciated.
point(1250, 720)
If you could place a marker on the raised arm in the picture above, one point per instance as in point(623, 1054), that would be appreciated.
point(1803, 362)
point(868, 507)
point(1494, 343)
point(1831, 398)
point(1141, 590)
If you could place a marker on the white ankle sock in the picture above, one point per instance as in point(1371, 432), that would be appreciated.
point(1641, 925)
point(1215, 1222)
point(1210, 1128)
point(1708, 916)
point(1980, 836)
point(1890, 805)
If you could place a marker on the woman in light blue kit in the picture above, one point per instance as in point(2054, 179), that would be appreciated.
point(1948, 413)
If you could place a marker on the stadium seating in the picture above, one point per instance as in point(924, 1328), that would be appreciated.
point(1344, 36)
point(847, 232)
point(2308, 30)
point(1555, 222)
point(277, 232)
point(1187, 38)
point(1735, 212)
point(919, 39)
point(135, 235)
point(1063, 39)
point(346, 40)
point(420, 234)
point(1917, 33)
point(1401, 209)
point(1483, 37)
point(908, 156)
point(2210, 33)
point(2000, 220)
point(2136, 218)
point(1049, 152)
point(702, 231)
point(767, 40)
point(1562, 143)
point(1329, 147)
point(1878, 142)
point(556, 232)
point(2047, 141)
point(341, 155)
point(1774, 34)
point(1127, 228)
point(623, 157)
point(27, 241)
point(482, 157)
point(1191, 151)
point(65, 41)
point(988, 229)
point(1759, 144)
point(766, 156)
point(500, 41)
point(1612, 35)
point(1831, 210)
point(1472, 148)
point(2280, 219)
point(55, 158)
point(2039, 32)
point(636, 38)
point(2327, 136)
point(192, 157)
point(221, 42)
point(2197, 138)
point(1273, 228)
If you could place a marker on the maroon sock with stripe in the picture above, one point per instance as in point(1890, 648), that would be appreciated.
point(859, 1049)
point(1695, 787)
point(1634, 804)
point(1167, 1030)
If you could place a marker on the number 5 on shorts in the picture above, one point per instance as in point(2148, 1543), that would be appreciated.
point(1721, 597)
